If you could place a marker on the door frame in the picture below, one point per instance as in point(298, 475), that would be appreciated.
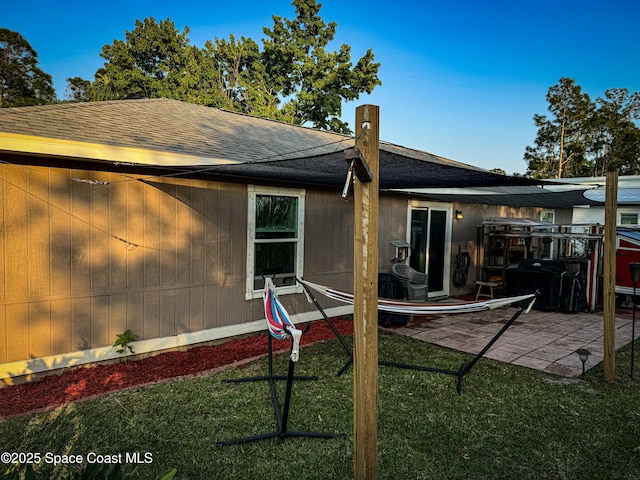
point(430, 207)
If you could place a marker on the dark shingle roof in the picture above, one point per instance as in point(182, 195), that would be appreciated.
point(258, 148)
point(167, 126)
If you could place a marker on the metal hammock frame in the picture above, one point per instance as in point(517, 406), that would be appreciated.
point(280, 327)
point(412, 308)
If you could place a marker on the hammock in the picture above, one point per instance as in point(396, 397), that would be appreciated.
point(416, 308)
point(280, 325)
point(408, 308)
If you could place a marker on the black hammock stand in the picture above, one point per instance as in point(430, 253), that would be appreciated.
point(281, 413)
point(460, 373)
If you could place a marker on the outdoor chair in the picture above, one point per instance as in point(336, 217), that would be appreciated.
point(415, 283)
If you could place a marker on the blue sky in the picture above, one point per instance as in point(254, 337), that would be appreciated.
point(460, 79)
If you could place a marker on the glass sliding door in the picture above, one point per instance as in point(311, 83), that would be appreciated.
point(429, 234)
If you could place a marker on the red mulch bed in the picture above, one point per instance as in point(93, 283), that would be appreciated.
point(84, 382)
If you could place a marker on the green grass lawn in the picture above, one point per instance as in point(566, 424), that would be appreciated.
point(509, 423)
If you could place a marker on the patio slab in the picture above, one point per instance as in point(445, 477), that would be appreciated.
point(540, 339)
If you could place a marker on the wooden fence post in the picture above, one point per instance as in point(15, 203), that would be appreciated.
point(609, 287)
point(365, 310)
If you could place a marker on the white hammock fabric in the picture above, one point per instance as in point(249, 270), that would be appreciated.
point(415, 308)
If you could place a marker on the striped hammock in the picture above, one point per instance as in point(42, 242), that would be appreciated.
point(280, 325)
point(417, 308)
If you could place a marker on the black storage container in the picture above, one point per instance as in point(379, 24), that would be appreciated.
point(391, 288)
point(558, 289)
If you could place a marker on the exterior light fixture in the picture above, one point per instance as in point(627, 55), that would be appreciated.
point(634, 269)
point(583, 353)
point(459, 215)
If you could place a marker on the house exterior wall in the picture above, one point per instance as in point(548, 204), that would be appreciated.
point(465, 236)
point(595, 214)
point(85, 255)
point(84, 260)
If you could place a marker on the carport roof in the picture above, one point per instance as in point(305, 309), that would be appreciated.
point(187, 139)
point(523, 196)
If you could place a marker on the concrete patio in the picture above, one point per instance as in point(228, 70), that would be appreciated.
point(543, 340)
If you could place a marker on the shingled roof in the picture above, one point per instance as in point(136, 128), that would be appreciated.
point(174, 134)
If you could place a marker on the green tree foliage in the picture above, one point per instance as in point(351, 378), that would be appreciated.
point(21, 81)
point(151, 62)
point(313, 81)
point(585, 138)
point(78, 89)
point(616, 142)
point(292, 78)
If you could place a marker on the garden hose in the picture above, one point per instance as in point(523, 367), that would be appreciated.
point(463, 262)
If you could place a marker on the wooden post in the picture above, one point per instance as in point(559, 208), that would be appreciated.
point(365, 309)
point(609, 287)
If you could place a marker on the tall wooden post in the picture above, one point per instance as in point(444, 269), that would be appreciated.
point(609, 287)
point(365, 310)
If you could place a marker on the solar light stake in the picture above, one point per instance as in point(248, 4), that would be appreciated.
point(583, 353)
point(634, 268)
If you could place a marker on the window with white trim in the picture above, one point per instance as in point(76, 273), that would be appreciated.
point(547, 243)
point(628, 219)
point(275, 238)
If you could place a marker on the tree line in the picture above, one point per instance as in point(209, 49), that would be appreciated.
point(292, 77)
point(585, 138)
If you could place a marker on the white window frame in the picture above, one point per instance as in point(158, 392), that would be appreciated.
point(434, 207)
point(546, 213)
point(253, 191)
point(627, 214)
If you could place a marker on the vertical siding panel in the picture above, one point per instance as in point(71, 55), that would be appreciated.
point(238, 241)
point(61, 327)
point(184, 226)
point(81, 323)
point(117, 316)
point(225, 240)
point(327, 245)
point(168, 236)
point(38, 232)
point(211, 234)
point(151, 314)
point(225, 251)
point(213, 273)
point(197, 232)
point(183, 302)
point(17, 332)
point(100, 235)
point(118, 237)
point(39, 329)
point(60, 232)
point(196, 309)
point(151, 236)
point(80, 234)
point(313, 232)
point(167, 313)
point(135, 234)
point(135, 313)
point(223, 307)
point(15, 231)
point(99, 321)
point(211, 294)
